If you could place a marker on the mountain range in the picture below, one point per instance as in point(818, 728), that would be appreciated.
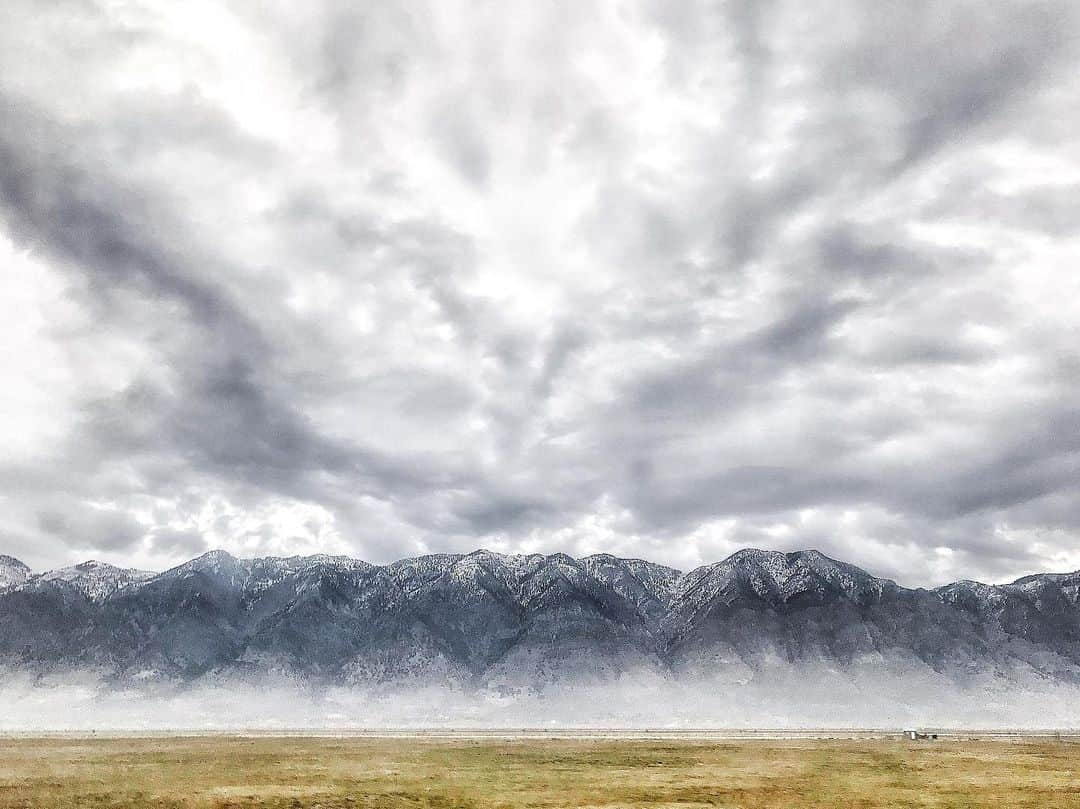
point(495, 619)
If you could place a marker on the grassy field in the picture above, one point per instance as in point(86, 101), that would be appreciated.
point(403, 772)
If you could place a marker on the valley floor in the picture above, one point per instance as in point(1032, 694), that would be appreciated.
point(475, 771)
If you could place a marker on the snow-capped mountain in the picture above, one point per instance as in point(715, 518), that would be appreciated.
point(495, 618)
point(95, 580)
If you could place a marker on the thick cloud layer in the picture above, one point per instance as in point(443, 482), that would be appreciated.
point(660, 280)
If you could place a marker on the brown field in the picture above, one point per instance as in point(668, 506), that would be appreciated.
point(226, 771)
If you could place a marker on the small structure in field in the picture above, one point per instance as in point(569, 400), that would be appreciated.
point(916, 735)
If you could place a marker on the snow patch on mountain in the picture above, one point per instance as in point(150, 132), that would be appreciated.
point(13, 572)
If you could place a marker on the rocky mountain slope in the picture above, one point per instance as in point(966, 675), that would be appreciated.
point(524, 620)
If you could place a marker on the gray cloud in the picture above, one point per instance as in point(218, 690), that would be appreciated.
point(657, 280)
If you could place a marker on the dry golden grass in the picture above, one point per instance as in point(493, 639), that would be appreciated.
point(452, 773)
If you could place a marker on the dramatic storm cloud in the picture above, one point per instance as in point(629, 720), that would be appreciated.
point(657, 279)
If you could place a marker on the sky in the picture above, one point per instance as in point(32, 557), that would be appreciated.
point(655, 279)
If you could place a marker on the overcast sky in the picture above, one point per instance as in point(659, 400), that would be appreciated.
point(657, 279)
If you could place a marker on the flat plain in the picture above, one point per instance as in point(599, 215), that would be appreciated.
point(459, 772)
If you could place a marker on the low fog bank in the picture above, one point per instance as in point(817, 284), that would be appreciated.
point(780, 698)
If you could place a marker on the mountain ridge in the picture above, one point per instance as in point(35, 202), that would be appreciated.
point(523, 618)
point(222, 554)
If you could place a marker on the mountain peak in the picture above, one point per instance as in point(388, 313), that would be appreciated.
point(215, 556)
point(95, 579)
point(787, 558)
point(95, 564)
point(13, 571)
point(213, 561)
point(218, 564)
point(563, 559)
point(777, 577)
